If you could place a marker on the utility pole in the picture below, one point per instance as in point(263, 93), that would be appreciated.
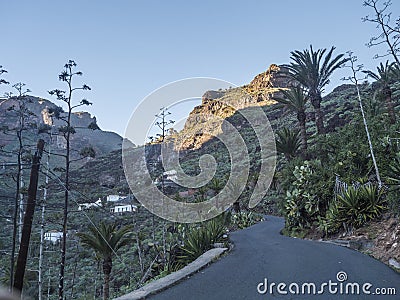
point(21, 204)
point(40, 280)
point(28, 218)
point(48, 285)
point(40, 283)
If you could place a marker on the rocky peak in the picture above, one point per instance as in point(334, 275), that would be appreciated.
point(40, 113)
point(265, 84)
point(216, 103)
point(212, 95)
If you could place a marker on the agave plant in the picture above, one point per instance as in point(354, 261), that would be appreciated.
point(356, 206)
point(201, 238)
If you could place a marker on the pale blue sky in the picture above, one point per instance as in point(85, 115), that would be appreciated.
point(127, 49)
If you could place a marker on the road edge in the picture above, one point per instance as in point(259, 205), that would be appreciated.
point(164, 282)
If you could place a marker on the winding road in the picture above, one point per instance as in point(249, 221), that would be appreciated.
point(267, 265)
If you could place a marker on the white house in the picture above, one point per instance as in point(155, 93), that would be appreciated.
point(170, 175)
point(83, 206)
point(53, 236)
point(123, 208)
point(113, 198)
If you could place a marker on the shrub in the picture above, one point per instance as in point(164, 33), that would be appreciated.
point(301, 203)
point(245, 219)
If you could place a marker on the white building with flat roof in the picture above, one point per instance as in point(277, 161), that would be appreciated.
point(53, 236)
point(113, 198)
point(121, 209)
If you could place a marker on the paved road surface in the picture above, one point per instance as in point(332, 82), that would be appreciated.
point(261, 252)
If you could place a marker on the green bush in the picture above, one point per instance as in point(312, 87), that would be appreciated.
point(302, 202)
point(245, 219)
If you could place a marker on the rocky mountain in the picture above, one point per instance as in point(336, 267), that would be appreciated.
point(38, 114)
point(192, 143)
point(104, 174)
point(223, 104)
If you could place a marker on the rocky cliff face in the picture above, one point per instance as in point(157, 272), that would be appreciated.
point(201, 124)
point(39, 115)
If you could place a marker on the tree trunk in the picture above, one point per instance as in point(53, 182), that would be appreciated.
point(66, 199)
point(301, 117)
point(28, 218)
point(236, 206)
point(319, 116)
point(389, 104)
point(107, 266)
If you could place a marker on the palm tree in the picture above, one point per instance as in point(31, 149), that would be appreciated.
point(312, 70)
point(295, 99)
point(106, 240)
point(288, 142)
point(384, 77)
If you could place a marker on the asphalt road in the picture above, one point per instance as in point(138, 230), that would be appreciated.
point(261, 253)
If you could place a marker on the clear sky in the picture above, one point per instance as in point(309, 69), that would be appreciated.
point(127, 49)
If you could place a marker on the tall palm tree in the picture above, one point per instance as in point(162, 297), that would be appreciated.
point(288, 142)
point(384, 77)
point(106, 240)
point(295, 99)
point(312, 69)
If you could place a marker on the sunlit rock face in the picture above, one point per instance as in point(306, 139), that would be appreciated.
point(202, 125)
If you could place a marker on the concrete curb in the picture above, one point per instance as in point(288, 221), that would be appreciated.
point(343, 243)
point(162, 283)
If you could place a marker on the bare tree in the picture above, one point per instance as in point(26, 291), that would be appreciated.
point(353, 78)
point(2, 71)
point(389, 29)
point(163, 123)
point(18, 110)
point(67, 131)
